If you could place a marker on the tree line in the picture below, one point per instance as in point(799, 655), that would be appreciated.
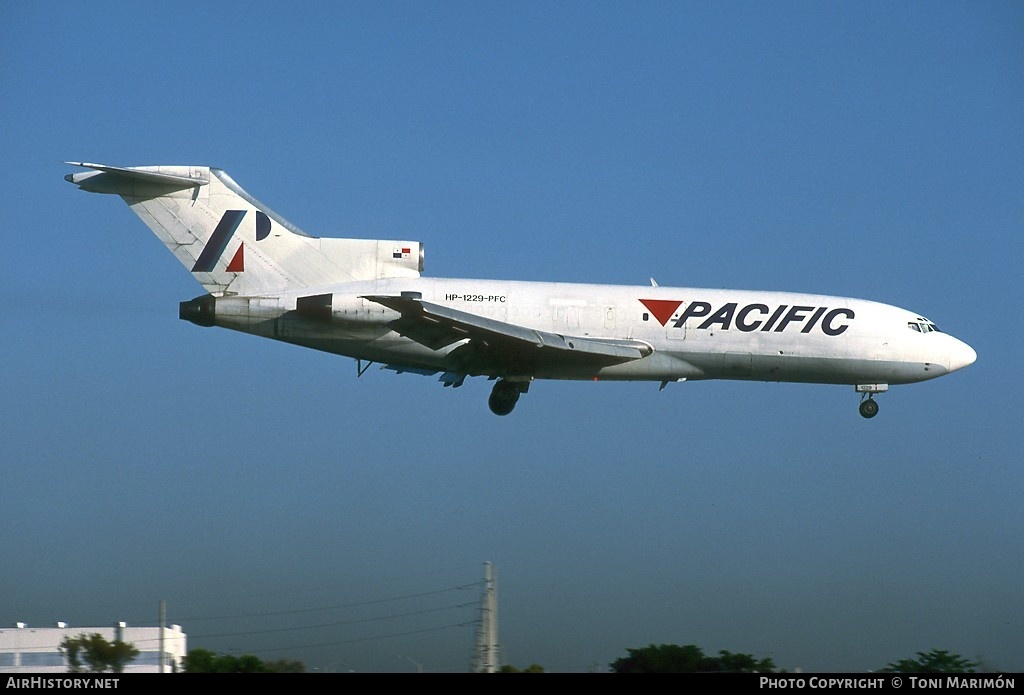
point(672, 658)
point(94, 654)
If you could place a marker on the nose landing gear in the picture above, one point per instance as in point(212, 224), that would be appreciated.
point(868, 406)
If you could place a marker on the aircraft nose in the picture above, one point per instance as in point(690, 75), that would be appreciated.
point(961, 355)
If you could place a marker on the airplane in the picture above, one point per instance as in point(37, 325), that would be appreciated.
point(366, 299)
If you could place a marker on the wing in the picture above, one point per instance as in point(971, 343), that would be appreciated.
point(497, 348)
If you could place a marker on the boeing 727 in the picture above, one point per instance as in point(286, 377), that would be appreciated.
point(366, 299)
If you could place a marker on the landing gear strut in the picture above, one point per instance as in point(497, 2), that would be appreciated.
point(505, 395)
point(868, 407)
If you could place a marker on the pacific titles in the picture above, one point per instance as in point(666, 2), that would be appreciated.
point(760, 317)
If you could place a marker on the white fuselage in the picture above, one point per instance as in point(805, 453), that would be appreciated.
point(367, 299)
point(693, 333)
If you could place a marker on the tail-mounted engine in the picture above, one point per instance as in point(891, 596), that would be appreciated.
point(344, 308)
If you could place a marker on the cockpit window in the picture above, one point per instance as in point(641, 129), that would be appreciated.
point(923, 326)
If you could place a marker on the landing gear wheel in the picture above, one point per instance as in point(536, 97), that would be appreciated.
point(868, 408)
point(504, 397)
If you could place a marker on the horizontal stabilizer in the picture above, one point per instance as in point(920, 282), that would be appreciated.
point(179, 177)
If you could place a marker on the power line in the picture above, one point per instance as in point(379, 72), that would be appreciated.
point(328, 608)
point(365, 639)
point(335, 624)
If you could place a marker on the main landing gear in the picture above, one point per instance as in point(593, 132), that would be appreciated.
point(505, 395)
point(868, 406)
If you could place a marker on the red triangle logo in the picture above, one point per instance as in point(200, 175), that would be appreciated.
point(237, 264)
point(662, 308)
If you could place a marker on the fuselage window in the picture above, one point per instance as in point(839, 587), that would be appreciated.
point(914, 326)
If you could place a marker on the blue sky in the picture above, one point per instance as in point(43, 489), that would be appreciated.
point(283, 506)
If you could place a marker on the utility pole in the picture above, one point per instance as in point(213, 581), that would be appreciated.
point(163, 624)
point(485, 658)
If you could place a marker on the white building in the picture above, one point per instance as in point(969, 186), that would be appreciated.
point(25, 649)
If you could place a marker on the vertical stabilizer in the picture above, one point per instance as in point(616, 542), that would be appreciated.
point(234, 245)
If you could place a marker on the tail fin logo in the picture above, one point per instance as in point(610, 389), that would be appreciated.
point(222, 235)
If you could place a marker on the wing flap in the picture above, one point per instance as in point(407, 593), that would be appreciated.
point(498, 346)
